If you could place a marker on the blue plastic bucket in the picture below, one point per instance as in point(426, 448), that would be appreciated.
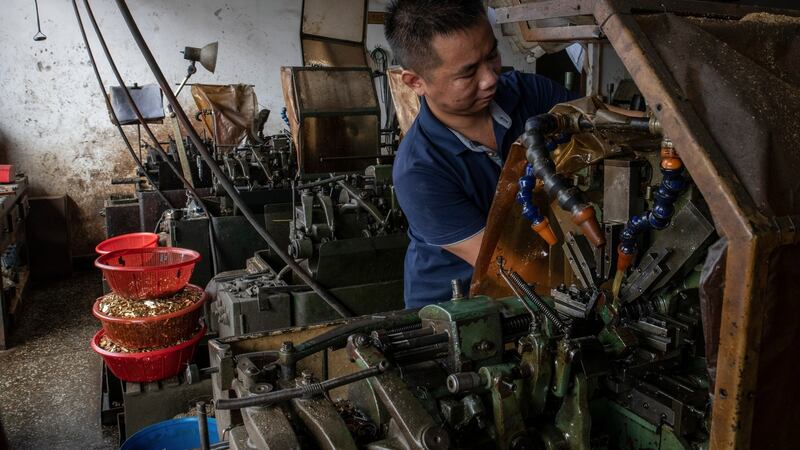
point(175, 434)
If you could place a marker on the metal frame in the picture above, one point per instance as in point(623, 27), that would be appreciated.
point(752, 236)
point(302, 115)
point(304, 36)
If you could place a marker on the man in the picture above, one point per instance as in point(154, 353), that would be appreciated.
point(449, 161)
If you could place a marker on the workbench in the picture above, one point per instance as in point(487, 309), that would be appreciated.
point(14, 268)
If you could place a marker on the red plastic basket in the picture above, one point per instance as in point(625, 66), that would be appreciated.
point(146, 367)
point(154, 331)
point(126, 241)
point(144, 273)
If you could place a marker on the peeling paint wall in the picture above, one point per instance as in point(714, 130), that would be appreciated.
point(53, 123)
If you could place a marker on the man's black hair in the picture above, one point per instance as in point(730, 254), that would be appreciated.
point(411, 26)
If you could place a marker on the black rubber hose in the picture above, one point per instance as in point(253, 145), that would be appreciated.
point(113, 114)
point(569, 197)
point(138, 112)
point(221, 177)
point(544, 168)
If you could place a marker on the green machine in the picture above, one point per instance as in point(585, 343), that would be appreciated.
point(609, 354)
point(514, 373)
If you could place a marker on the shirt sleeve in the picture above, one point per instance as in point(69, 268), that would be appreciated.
point(438, 210)
point(543, 92)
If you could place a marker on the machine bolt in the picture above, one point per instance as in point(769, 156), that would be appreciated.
point(287, 347)
point(484, 346)
point(362, 340)
point(458, 292)
point(508, 385)
point(435, 438)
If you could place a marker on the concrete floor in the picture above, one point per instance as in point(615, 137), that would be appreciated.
point(50, 378)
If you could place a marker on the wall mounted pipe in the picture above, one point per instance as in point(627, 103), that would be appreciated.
point(221, 177)
point(112, 113)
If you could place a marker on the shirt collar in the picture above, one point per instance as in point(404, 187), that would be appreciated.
point(453, 141)
point(498, 116)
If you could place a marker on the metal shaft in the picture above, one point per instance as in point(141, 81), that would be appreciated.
point(309, 390)
point(414, 342)
point(202, 425)
point(221, 177)
point(113, 114)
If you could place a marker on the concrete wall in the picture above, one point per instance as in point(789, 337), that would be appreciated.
point(53, 123)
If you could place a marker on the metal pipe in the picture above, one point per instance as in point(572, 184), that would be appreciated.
point(330, 180)
point(360, 202)
point(113, 114)
point(202, 425)
point(223, 180)
point(306, 391)
point(138, 112)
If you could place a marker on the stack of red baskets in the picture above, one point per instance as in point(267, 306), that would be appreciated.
point(137, 270)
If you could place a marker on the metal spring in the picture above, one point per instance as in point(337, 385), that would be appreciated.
point(404, 328)
point(517, 324)
point(313, 389)
point(543, 307)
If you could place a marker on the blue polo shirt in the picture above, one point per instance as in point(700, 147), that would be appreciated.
point(446, 186)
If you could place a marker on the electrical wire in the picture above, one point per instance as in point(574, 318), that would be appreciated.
point(135, 108)
point(223, 180)
point(113, 113)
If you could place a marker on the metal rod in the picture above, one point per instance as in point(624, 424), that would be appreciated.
point(138, 112)
point(415, 342)
point(321, 182)
point(113, 114)
point(309, 390)
point(348, 158)
point(361, 202)
point(202, 424)
point(223, 180)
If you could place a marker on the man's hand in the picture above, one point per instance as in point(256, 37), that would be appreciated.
point(467, 249)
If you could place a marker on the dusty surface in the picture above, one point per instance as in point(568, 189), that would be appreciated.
point(50, 379)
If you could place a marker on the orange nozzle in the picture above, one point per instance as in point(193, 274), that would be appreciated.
point(669, 157)
point(624, 260)
point(587, 220)
point(544, 230)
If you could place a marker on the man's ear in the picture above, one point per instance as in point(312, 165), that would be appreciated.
point(414, 81)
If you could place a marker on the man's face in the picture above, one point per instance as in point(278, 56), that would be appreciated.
point(465, 81)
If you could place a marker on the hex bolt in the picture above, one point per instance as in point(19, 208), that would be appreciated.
point(287, 347)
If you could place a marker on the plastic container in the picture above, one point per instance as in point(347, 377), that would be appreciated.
point(7, 173)
point(126, 241)
point(154, 331)
point(174, 434)
point(143, 273)
point(146, 367)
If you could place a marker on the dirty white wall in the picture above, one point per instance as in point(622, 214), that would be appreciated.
point(53, 123)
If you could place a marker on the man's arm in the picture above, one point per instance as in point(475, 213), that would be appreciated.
point(467, 249)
